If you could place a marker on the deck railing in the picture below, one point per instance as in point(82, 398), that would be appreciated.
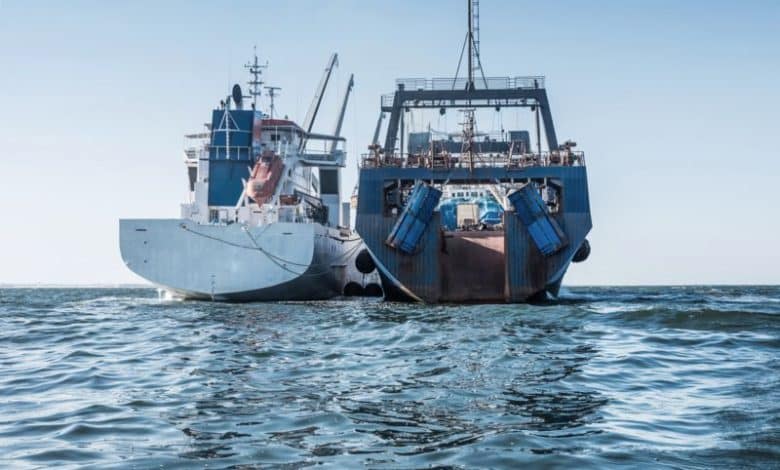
point(497, 160)
point(491, 83)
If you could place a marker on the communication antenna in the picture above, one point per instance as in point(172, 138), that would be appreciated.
point(255, 85)
point(472, 41)
point(272, 92)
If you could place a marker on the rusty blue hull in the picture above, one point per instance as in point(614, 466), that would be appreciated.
point(503, 265)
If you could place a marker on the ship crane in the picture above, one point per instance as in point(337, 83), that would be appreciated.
point(340, 120)
point(331, 161)
point(311, 115)
point(330, 178)
point(378, 129)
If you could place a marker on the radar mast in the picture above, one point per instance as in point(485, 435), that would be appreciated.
point(272, 92)
point(255, 85)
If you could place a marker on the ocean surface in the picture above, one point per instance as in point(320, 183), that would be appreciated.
point(653, 377)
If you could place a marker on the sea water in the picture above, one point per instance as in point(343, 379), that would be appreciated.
point(678, 377)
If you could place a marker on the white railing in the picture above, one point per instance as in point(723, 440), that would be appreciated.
point(488, 83)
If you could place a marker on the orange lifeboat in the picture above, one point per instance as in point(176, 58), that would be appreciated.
point(264, 179)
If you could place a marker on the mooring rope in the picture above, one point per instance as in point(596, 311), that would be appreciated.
point(277, 260)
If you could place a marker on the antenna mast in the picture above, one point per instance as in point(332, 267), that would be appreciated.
point(475, 37)
point(255, 85)
point(271, 93)
point(470, 40)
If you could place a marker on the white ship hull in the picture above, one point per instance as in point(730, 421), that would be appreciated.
point(278, 261)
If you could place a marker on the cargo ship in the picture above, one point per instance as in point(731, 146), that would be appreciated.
point(471, 216)
point(264, 218)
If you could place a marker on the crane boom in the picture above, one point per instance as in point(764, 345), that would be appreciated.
point(311, 115)
point(378, 128)
point(340, 120)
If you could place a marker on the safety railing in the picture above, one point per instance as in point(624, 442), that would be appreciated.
point(491, 83)
point(497, 160)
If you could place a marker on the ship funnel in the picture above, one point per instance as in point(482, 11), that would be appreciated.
point(238, 96)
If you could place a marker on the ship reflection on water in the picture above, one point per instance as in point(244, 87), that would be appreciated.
point(414, 381)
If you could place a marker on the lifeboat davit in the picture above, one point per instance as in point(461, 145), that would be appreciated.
point(265, 176)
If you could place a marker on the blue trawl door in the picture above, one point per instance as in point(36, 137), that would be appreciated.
point(532, 211)
point(411, 225)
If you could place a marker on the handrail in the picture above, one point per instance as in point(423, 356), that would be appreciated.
point(497, 160)
point(518, 82)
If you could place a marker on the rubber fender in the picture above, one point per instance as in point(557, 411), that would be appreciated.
point(364, 263)
point(373, 290)
point(582, 252)
point(353, 289)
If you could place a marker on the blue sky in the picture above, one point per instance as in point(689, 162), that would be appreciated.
point(674, 103)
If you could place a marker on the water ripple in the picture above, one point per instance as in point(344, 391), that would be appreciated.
point(639, 377)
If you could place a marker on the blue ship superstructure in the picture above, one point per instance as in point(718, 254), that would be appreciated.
point(472, 217)
point(230, 154)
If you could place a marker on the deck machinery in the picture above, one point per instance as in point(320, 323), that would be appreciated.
point(544, 195)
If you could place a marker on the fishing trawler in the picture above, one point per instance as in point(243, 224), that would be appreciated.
point(471, 216)
point(264, 219)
